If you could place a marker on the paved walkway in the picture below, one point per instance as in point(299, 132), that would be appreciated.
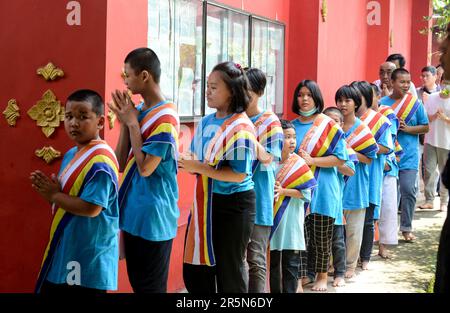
point(412, 266)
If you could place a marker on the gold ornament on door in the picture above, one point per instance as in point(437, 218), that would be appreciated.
point(47, 112)
point(50, 72)
point(11, 112)
point(48, 154)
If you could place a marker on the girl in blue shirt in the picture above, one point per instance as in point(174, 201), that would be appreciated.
point(223, 214)
point(308, 104)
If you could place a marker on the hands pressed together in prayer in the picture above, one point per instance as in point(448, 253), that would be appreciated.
point(124, 108)
point(46, 186)
point(309, 160)
point(278, 190)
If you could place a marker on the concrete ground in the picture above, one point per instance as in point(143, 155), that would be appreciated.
point(412, 266)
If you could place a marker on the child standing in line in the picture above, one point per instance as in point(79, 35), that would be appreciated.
point(82, 254)
point(345, 171)
point(147, 153)
point(270, 141)
point(356, 191)
point(324, 149)
point(223, 214)
point(292, 189)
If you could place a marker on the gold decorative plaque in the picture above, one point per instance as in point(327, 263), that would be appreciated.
point(111, 119)
point(50, 72)
point(11, 112)
point(47, 112)
point(48, 154)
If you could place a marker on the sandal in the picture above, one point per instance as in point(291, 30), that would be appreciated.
point(426, 206)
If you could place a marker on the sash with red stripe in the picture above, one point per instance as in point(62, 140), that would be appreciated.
point(377, 123)
point(406, 107)
point(95, 157)
point(237, 132)
point(361, 139)
point(294, 174)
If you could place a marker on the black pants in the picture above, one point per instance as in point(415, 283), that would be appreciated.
point(284, 267)
point(442, 278)
point(49, 288)
point(232, 223)
point(147, 263)
point(368, 234)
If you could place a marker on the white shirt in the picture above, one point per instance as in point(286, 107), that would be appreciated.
point(439, 134)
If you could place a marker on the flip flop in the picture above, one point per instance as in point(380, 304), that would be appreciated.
point(385, 256)
point(425, 207)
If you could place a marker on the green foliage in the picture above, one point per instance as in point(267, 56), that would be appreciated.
point(441, 15)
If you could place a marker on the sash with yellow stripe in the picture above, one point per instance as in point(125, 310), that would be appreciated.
point(361, 139)
point(321, 139)
point(160, 125)
point(377, 123)
point(398, 150)
point(406, 107)
point(95, 157)
point(353, 157)
point(294, 174)
point(268, 131)
point(237, 132)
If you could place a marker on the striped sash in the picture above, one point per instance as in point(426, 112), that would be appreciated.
point(361, 139)
point(235, 133)
point(96, 157)
point(377, 123)
point(405, 108)
point(353, 157)
point(160, 125)
point(398, 150)
point(294, 174)
point(268, 131)
point(321, 139)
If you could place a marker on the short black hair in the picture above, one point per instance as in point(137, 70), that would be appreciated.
point(285, 124)
point(375, 89)
point(430, 69)
point(145, 59)
point(397, 57)
point(366, 91)
point(399, 71)
point(315, 93)
point(334, 110)
point(349, 92)
point(96, 101)
point(234, 77)
point(257, 80)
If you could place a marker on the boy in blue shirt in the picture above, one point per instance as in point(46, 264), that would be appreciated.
point(413, 121)
point(147, 153)
point(82, 254)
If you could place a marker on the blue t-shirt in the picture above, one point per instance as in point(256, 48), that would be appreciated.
point(409, 143)
point(239, 162)
point(340, 214)
point(149, 209)
point(264, 180)
point(325, 197)
point(92, 242)
point(356, 190)
point(376, 169)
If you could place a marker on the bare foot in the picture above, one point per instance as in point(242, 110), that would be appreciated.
point(409, 237)
point(321, 282)
point(300, 288)
point(365, 265)
point(306, 281)
point(383, 252)
point(350, 273)
point(443, 208)
point(339, 282)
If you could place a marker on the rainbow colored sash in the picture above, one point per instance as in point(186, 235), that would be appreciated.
point(235, 133)
point(353, 157)
point(321, 139)
point(160, 125)
point(406, 107)
point(96, 157)
point(294, 174)
point(361, 139)
point(377, 123)
point(268, 131)
point(398, 150)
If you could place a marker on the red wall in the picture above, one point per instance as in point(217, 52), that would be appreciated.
point(342, 54)
point(32, 33)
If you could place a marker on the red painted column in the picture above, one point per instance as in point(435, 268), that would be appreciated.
point(303, 46)
point(420, 44)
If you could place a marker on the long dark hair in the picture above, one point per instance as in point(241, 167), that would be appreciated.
point(234, 77)
point(315, 93)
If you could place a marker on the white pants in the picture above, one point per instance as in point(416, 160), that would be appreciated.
point(354, 226)
point(388, 222)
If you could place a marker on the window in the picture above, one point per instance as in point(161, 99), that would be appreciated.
point(175, 34)
point(268, 56)
point(188, 51)
point(227, 35)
